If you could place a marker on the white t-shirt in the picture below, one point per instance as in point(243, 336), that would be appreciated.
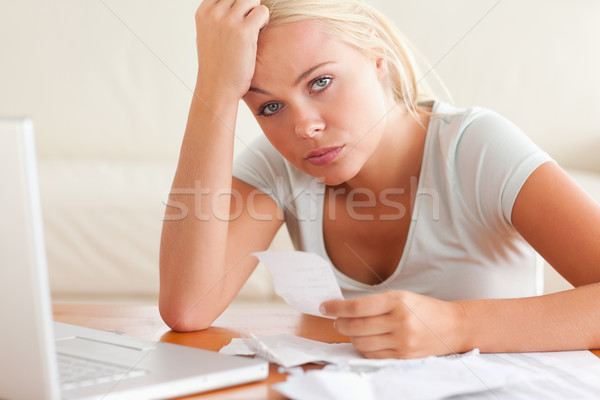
point(461, 242)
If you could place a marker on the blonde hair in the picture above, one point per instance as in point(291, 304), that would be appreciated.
point(359, 24)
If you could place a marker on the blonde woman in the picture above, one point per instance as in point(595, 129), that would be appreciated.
point(429, 213)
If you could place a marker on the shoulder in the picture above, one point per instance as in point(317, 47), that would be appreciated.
point(485, 157)
point(457, 127)
point(259, 160)
point(472, 135)
point(259, 151)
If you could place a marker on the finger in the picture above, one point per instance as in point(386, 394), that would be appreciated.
point(386, 353)
point(244, 6)
point(215, 8)
point(372, 344)
point(402, 353)
point(364, 326)
point(258, 16)
point(225, 3)
point(367, 306)
point(234, 8)
point(222, 3)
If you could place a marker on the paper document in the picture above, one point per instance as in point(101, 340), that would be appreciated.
point(290, 351)
point(304, 280)
point(432, 379)
point(469, 376)
point(523, 376)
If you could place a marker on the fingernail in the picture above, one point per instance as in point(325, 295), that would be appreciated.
point(323, 310)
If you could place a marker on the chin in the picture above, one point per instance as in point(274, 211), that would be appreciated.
point(336, 173)
point(331, 181)
point(334, 178)
point(327, 178)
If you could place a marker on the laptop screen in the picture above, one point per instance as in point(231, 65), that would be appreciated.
point(26, 339)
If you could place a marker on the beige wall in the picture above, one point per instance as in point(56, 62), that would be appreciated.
point(113, 79)
point(534, 61)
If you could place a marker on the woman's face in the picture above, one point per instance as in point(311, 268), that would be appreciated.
point(319, 101)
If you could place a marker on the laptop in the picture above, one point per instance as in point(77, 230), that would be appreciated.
point(34, 350)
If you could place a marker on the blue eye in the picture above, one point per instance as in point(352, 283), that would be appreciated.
point(317, 85)
point(270, 109)
point(320, 83)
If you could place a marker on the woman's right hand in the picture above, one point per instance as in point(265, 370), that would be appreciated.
point(205, 255)
point(227, 35)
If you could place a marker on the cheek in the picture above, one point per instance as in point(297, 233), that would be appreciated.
point(362, 103)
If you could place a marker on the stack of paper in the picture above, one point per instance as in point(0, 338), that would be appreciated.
point(560, 375)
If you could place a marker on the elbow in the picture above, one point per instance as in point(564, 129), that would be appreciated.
point(185, 319)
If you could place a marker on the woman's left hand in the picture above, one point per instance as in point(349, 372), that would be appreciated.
point(400, 324)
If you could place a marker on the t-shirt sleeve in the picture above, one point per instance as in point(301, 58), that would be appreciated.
point(260, 165)
point(494, 158)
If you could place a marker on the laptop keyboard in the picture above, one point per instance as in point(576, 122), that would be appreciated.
point(78, 372)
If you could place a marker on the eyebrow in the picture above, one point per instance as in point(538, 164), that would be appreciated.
point(297, 81)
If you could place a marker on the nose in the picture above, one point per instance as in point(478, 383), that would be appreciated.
point(308, 123)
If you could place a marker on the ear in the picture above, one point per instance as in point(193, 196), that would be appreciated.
point(381, 67)
point(381, 64)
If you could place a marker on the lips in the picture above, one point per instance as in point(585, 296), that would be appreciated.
point(323, 156)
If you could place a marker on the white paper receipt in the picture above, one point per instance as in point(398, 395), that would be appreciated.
point(304, 280)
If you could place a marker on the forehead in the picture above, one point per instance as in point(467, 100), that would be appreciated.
point(289, 48)
point(308, 29)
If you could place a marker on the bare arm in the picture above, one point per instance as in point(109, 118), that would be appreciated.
point(563, 224)
point(205, 256)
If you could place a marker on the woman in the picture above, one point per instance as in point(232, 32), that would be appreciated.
point(424, 209)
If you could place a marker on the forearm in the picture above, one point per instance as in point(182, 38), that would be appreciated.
point(567, 320)
point(194, 237)
point(195, 280)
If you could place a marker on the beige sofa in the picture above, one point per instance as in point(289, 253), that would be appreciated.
point(108, 85)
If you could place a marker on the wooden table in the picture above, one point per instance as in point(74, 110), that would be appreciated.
point(145, 322)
